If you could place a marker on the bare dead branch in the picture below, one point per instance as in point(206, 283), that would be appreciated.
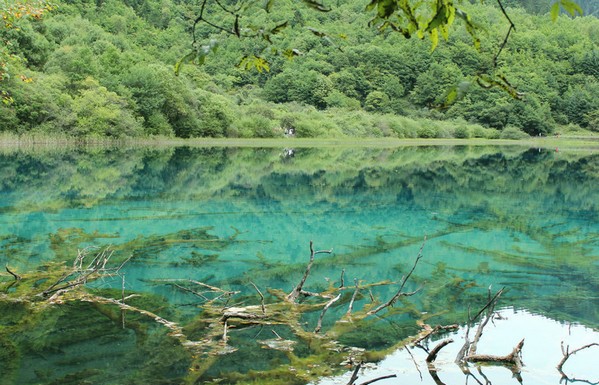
point(240, 313)
point(324, 310)
point(415, 363)
point(490, 306)
point(277, 334)
point(507, 36)
point(353, 298)
point(173, 327)
point(567, 354)
point(431, 331)
point(305, 293)
point(400, 292)
point(514, 358)
point(201, 295)
point(16, 276)
point(379, 379)
point(123, 300)
point(342, 284)
point(118, 269)
point(433, 372)
point(492, 301)
point(225, 332)
point(261, 297)
point(432, 356)
point(354, 375)
point(292, 297)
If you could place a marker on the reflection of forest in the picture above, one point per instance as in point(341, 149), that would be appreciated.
point(544, 204)
point(471, 174)
point(541, 196)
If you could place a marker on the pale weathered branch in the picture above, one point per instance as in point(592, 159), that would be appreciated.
point(225, 332)
point(292, 297)
point(469, 348)
point(353, 298)
point(514, 358)
point(211, 289)
point(82, 275)
point(324, 310)
point(428, 331)
point(479, 332)
point(415, 363)
point(400, 292)
point(567, 354)
point(241, 313)
point(261, 297)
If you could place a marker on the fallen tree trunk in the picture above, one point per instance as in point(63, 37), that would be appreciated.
point(514, 358)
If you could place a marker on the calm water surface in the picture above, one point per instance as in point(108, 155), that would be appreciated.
point(524, 219)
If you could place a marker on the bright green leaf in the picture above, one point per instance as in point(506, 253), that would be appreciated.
point(554, 11)
point(571, 7)
point(185, 59)
point(434, 38)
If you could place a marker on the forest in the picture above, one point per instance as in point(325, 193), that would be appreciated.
point(108, 68)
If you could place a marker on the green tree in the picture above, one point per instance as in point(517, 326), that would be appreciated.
point(432, 85)
point(12, 15)
point(377, 101)
point(102, 113)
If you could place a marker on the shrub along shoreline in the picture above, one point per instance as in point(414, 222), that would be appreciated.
point(10, 143)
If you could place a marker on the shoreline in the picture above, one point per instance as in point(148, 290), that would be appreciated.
point(58, 143)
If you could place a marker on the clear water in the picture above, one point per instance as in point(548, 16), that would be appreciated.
point(524, 219)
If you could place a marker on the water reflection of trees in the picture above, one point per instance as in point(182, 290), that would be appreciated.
point(482, 189)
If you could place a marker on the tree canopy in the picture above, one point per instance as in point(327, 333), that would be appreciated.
point(105, 68)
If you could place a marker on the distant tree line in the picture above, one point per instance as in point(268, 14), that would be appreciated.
point(105, 68)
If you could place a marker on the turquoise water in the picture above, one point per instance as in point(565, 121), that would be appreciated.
point(524, 219)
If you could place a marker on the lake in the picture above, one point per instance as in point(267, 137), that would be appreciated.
point(201, 230)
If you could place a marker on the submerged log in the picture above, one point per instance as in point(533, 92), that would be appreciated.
point(514, 358)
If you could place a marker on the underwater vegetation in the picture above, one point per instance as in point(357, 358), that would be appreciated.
point(182, 266)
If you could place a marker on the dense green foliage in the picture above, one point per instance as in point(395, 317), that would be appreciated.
point(105, 68)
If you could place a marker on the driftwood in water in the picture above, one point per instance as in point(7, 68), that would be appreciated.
point(400, 292)
point(292, 297)
point(567, 353)
point(432, 356)
point(354, 377)
point(514, 358)
point(468, 352)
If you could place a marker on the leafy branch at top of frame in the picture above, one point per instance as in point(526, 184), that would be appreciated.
point(231, 22)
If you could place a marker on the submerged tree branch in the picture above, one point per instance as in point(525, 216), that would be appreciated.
point(16, 276)
point(292, 297)
point(353, 298)
point(324, 310)
point(400, 292)
point(261, 297)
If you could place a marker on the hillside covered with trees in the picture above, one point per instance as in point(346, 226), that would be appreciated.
point(107, 68)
